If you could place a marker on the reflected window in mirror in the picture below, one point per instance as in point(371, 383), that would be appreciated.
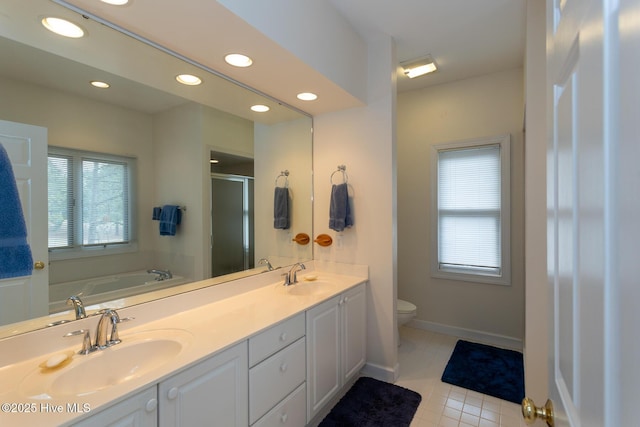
point(89, 201)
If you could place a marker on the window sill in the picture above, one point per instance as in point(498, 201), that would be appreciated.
point(476, 278)
point(66, 254)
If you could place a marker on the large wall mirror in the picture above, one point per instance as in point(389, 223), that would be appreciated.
point(174, 134)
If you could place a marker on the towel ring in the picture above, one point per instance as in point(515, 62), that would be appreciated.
point(285, 174)
point(343, 169)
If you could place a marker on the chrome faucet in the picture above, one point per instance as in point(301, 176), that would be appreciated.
point(292, 277)
point(265, 261)
point(108, 317)
point(78, 306)
point(162, 274)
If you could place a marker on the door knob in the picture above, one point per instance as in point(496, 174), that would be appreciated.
point(531, 412)
point(39, 265)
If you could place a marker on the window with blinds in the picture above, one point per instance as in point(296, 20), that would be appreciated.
point(471, 210)
point(89, 199)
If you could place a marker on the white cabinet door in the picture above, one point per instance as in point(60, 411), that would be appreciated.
point(212, 393)
point(140, 410)
point(336, 346)
point(323, 354)
point(354, 327)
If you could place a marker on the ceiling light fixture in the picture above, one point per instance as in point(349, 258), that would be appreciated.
point(115, 2)
point(99, 84)
point(214, 161)
point(419, 67)
point(238, 60)
point(62, 27)
point(307, 96)
point(260, 108)
point(188, 79)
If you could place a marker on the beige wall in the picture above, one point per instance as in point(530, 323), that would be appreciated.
point(477, 107)
point(80, 123)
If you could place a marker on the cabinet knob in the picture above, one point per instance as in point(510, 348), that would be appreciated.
point(283, 367)
point(151, 405)
point(283, 336)
point(283, 418)
point(172, 393)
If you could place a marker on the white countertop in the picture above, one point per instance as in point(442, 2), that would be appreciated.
point(211, 326)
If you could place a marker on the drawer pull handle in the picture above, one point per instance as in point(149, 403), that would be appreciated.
point(151, 405)
point(283, 418)
point(173, 393)
point(283, 336)
point(283, 367)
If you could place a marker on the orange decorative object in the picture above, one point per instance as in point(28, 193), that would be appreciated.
point(324, 240)
point(302, 238)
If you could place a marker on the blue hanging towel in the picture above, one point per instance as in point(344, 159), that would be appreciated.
point(281, 208)
point(339, 210)
point(170, 217)
point(15, 254)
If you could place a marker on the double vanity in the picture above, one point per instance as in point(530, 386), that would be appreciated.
point(252, 352)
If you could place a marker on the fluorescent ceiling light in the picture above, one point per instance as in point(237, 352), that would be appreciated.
point(419, 67)
point(99, 84)
point(238, 60)
point(260, 108)
point(189, 79)
point(62, 27)
point(307, 96)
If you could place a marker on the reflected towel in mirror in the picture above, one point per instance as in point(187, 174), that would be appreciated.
point(15, 254)
point(281, 208)
point(170, 217)
point(339, 210)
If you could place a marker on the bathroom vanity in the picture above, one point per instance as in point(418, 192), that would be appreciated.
point(247, 353)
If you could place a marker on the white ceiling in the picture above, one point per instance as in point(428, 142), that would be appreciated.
point(465, 37)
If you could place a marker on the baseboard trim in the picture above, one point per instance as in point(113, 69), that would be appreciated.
point(470, 334)
point(382, 373)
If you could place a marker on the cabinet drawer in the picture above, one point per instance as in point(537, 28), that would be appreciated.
point(275, 338)
point(292, 411)
point(276, 377)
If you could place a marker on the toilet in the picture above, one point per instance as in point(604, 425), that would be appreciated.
point(406, 312)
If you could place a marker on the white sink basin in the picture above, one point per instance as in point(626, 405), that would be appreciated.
point(135, 356)
point(314, 287)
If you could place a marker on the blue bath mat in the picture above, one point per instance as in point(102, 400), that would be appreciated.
point(486, 369)
point(373, 403)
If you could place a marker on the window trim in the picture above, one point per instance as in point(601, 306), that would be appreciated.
point(81, 250)
point(504, 278)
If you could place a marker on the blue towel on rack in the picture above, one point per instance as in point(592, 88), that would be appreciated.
point(339, 210)
point(281, 208)
point(15, 253)
point(156, 213)
point(170, 217)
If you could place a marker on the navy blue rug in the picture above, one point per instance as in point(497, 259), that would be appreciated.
point(486, 369)
point(373, 403)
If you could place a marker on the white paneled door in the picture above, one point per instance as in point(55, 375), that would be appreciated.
point(593, 200)
point(26, 297)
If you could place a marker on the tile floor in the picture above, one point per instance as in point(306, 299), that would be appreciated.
point(423, 356)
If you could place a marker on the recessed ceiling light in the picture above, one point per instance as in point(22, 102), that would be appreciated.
point(189, 79)
point(115, 2)
point(62, 27)
point(99, 84)
point(238, 60)
point(214, 161)
point(260, 108)
point(307, 96)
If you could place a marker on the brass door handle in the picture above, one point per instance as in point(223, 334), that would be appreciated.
point(39, 265)
point(324, 240)
point(531, 412)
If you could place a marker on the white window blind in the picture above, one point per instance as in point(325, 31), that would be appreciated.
point(89, 199)
point(471, 210)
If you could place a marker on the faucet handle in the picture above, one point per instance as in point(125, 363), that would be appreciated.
point(115, 338)
point(86, 340)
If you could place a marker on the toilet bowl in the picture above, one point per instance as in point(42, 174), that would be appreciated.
point(406, 311)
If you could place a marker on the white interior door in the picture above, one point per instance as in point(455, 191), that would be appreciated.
point(22, 298)
point(593, 206)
